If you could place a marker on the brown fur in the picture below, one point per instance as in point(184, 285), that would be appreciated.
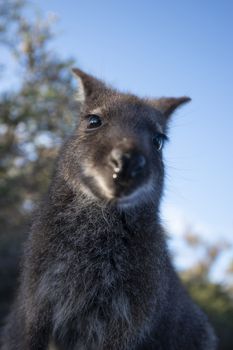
point(97, 274)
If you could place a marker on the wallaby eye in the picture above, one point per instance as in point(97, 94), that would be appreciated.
point(93, 121)
point(159, 140)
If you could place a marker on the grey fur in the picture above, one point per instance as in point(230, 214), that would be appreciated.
point(96, 272)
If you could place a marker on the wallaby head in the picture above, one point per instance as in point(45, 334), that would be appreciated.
point(115, 154)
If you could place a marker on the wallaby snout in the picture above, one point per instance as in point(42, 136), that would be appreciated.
point(127, 166)
point(129, 170)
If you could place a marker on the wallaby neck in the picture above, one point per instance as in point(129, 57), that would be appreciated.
point(70, 205)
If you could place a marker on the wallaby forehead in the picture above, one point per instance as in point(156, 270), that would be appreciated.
point(123, 106)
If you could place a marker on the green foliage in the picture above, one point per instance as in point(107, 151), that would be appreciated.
point(215, 299)
point(218, 304)
point(34, 119)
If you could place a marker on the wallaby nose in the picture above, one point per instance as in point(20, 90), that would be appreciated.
point(126, 165)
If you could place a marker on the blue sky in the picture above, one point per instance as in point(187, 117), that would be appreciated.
point(168, 48)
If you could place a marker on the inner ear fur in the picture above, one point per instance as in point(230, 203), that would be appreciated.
point(89, 86)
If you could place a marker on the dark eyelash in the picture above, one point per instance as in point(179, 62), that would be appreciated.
point(164, 136)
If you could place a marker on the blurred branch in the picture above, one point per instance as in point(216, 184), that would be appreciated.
point(211, 252)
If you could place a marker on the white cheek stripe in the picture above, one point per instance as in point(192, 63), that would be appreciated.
point(92, 172)
point(141, 194)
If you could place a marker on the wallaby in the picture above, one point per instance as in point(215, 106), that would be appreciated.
point(96, 270)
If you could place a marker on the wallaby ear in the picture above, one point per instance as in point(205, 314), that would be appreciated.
point(89, 87)
point(167, 105)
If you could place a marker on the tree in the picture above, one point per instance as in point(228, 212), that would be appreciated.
point(34, 119)
point(216, 299)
